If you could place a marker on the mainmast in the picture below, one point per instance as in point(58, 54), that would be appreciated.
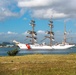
point(32, 33)
point(51, 33)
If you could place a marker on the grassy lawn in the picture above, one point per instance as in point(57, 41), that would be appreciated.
point(38, 64)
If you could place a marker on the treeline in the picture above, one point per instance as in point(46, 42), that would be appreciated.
point(7, 43)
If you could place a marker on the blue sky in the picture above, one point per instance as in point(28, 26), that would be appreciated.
point(15, 16)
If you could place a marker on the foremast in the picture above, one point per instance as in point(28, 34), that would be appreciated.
point(32, 33)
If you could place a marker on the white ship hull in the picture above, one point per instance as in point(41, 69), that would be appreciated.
point(63, 46)
point(45, 47)
point(23, 46)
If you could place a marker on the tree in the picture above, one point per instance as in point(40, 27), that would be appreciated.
point(13, 52)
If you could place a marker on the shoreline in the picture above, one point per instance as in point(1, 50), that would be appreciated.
point(38, 64)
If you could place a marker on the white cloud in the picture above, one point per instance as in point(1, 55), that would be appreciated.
point(8, 9)
point(39, 8)
point(25, 33)
point(9, 32)
point(41, 32)
point(48, 13)
point(5, 9)
point(46, 8)
point(35, 3)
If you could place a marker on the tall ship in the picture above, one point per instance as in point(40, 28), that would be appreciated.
point(33, 42)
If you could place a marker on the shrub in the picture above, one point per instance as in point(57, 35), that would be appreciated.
point(13, 52)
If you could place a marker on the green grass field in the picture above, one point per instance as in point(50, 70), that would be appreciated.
point(38, 64)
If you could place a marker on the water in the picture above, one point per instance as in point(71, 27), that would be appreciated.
point(3, 51)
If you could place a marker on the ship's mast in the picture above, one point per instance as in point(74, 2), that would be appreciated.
point(51, 33)
point(32, 33)
point(64, 33)
point(33, 25)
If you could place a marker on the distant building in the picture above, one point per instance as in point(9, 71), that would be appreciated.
point(9, 45)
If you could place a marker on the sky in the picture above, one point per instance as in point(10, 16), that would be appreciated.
point(15, 16)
